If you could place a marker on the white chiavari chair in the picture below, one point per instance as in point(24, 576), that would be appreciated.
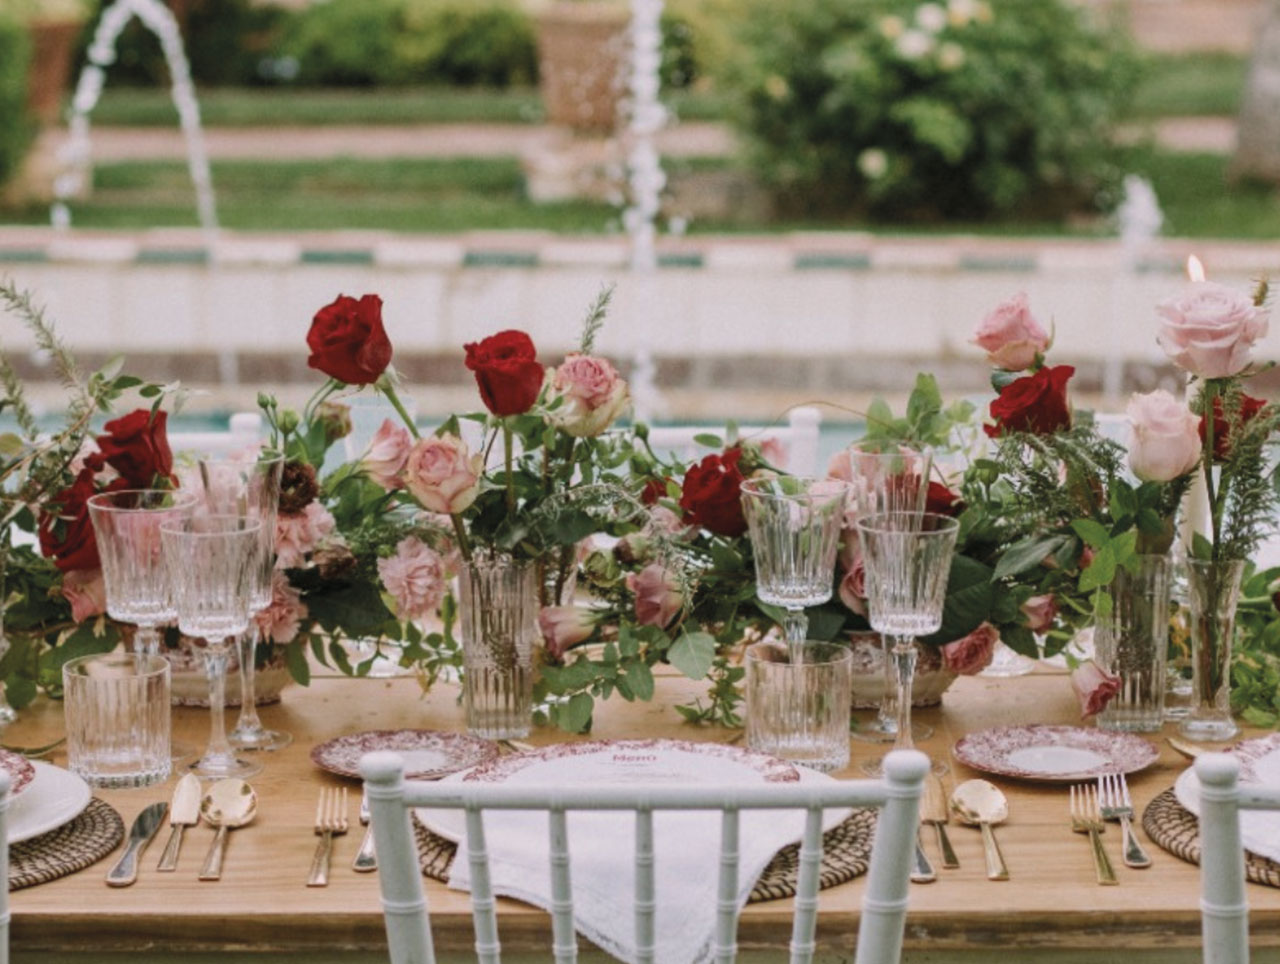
point(1224, 907)
point(884, 905)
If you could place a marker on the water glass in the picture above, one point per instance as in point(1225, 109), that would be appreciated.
point(250, 487)
point(1132, 642)
point(117, 714)
point(212, 560)
point(800, 710)
point(126, 524)
point(795, 526)
point(498, 621)
point(908, 562)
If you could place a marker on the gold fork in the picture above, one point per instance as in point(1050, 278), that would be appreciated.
point(1087, 818)
point(331, 821)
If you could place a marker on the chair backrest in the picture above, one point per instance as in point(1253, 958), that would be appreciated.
point(799, 437)
point(1224, 908)
point(243, 431)
point(884, 905)
point(4, 868)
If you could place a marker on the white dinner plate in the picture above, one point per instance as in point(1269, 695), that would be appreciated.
point(1259, 767)
point(630, 762)
point(54, 797)
point(1054, 754)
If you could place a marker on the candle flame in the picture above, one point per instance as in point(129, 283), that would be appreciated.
point(1195, 270)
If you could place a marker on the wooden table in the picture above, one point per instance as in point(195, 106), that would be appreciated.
point(1051, 909)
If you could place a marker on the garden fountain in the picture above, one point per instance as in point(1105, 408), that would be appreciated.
point(1138, 222)
point(74, 157)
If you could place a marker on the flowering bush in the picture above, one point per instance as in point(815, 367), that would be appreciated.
point(953, 108)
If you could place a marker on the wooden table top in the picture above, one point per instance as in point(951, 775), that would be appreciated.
point(261, 902)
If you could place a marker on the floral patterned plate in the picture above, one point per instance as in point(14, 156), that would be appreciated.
point(20, 771)
point(428, 754)
point(1053, 754)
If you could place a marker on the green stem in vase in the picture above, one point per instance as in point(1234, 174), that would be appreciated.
point(464, 544)
point(1208, 396)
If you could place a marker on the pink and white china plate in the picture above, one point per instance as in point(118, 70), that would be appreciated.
point(1259, 767)
point(20, 771)
point(428, 754)
point(1054, 754)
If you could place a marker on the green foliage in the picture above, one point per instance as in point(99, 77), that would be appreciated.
point(15, 121)
point(365, 42)
point(874, 107)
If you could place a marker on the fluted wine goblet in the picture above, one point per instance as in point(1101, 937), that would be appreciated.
point(908, 562)
point(885, 476)
point(126, 525)
point(211, 560)
point(249, 487)
point(795, 528)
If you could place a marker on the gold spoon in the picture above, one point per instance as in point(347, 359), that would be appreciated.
point(977, 802)
point(227, 805)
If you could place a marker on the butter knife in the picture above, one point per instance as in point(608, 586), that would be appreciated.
point(145, 825)
point(933, 810)
point(184, 812)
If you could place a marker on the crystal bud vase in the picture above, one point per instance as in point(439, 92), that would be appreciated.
point(498, 611)
point(1213, 589)
point(1132, 643)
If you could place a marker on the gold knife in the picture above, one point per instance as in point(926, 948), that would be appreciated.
point(183, 812)
point(933, 810)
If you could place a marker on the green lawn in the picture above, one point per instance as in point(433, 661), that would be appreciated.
point(1193, 84)
point(471, 193)
point(275, 107)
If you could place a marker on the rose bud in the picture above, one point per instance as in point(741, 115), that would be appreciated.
point(348, 342)
point(658, 595)
point(971, 654)
point(507, 372)
point(336, 419)
point(1166, 437)
point(1094, 687)
point(564, 627)
point(1040, 612)
point(1010, 336)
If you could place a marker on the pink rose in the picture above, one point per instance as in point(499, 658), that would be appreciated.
point(853, 587)
point(298, 534)
point(442, 474)
point(971, 654)
point(1093, 687)
point(658, 595)
point(1040, 612)
point(416, 578)
point(1166, 437)
point(1209, 329)
point(384, 462)
point(86, 592)
point(591, 393)
point(281, 620)
point(1010, 336)
point(774, 451)
point(841, 466)
point(564, 627)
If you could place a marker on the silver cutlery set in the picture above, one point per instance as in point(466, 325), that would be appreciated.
point(227, 805)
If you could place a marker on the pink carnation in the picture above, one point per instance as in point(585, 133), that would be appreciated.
point(384, 462)
point(281, 620)
point(1094, 687)
point(298, 534)
point(971, 654)
point(86, 592)
point(416, 577)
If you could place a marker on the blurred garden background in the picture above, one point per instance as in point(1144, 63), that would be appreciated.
point(867, 176)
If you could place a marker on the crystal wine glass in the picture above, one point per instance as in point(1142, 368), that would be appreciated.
point(795, 530)
point(886, 476)
point(908, 563)
point(212, 561)
point(126, 524)
point(249, 487)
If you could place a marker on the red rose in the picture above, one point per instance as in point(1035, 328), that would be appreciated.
point(653, 490)
point(507, 372)
point(1034, 403)
point(66, 531)
point(137, 446)
point(348, 342)
point(712, 494)
point(942, 500)
point(1249, 408)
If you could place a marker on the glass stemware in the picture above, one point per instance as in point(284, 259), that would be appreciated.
point(211, 561)
point(126, 524)
point(795, 530)
point(249, 487)
point(908, 563)
point(886, 476)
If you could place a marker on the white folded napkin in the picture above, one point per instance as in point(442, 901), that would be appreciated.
point(602, 858)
